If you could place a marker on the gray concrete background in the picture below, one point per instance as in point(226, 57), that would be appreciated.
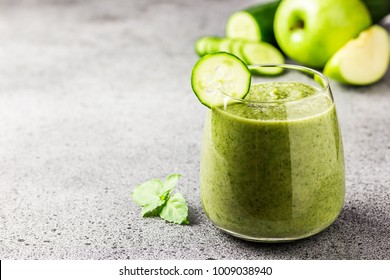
point(95, 98)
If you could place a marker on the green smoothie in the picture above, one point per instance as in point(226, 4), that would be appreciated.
point(272, 166)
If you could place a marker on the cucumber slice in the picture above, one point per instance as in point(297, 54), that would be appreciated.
point(242, 25)
point(249, 52)
point(213, 45)
point(254, 23)
point(220, 72)
point(207, 44)
point(378, 9)
point(225, 45)
point(262, 53)
point(201, 46)
point(235, 48)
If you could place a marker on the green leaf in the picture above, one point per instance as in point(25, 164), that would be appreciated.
point(153, 209)
point(148, 192)
point(175, 210)
point(171, 182)
point(154, 197)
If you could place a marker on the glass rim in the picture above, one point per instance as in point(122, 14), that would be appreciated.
point(300, 68)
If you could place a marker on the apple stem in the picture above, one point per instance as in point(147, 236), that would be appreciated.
point(299, 24)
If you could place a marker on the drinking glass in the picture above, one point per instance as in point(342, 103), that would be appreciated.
point(272, 170)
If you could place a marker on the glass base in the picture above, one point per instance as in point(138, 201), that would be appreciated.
point(271, 239)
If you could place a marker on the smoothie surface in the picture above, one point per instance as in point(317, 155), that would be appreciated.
point(281, 101)
point(280, 91)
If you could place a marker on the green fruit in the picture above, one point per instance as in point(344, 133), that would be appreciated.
point(362, 61)
point(311, 31)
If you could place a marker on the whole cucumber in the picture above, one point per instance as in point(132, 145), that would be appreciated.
point(254, 23)
point(378, 9)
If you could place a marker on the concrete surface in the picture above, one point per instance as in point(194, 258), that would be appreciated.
point(95, 98)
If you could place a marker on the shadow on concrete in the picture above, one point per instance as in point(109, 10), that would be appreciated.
point(356, 234)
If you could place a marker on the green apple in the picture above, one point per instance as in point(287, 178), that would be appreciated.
point(311, 31)
point(362, 61)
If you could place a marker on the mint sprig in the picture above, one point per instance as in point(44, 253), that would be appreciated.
point(176, 210)
point(154, 196)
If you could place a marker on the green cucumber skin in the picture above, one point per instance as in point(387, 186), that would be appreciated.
point(210, 44)
point(377, 8)
point(207, 44)
point(236, 46)
point(264, 15)
point(224, 45)
point(200, 46)
point(204, 58)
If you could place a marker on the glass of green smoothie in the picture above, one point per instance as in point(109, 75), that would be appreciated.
point(272, 163)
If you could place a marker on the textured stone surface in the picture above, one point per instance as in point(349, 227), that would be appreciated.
point(95, 98)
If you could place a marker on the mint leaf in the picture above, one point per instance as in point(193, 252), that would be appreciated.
point(155, 198)
point(171, 182)
point(153, 209)
point(151, 196)
point(175, 210)
point(148, 192)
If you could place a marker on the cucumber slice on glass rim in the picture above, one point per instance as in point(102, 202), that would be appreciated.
point(220, 72)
